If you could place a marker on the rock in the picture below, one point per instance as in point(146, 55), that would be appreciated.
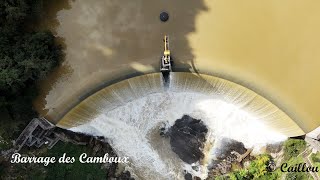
point(227, 153)
point(164, 129)
point(274, 148)
point(125, 176)
point(195, 168)
point(187, 138)
point(227, 146)
point(188, 176)
point(246, 164)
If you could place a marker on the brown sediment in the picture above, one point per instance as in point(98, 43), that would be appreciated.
point(270, 47)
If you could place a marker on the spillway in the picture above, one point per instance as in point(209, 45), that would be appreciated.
point(130, 112)
point(270, 47)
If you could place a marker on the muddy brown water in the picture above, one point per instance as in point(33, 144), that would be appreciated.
point(270, 47)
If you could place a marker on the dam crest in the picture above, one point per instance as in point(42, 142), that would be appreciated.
point(138, 106)
point(128, 90)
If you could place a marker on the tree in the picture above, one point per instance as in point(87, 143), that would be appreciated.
point(25, 57)
point(293, 147)
point(256, 170)
point(296, 176)
point(29, 58)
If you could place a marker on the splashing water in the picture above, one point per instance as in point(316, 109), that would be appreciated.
point(133, 130)
point(129, 114)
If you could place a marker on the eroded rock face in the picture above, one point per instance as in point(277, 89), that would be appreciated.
point(187, 138)
point(225, 156)
point(126, 175)
point(274, 148)
point(229, 145)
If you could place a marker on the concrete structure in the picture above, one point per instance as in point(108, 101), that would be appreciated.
point(37, 133)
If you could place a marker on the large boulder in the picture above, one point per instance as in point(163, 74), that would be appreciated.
point(187, 138)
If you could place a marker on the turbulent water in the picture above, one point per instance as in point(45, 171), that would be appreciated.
point(132, 128)
point(130, 113)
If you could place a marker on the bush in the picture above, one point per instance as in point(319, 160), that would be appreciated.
point(25, 57)
point(258, 167)
point(293, 147)
point(256, 170)
point(296, 176)
point(75, 170)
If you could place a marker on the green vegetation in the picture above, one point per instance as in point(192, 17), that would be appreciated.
point(315, 159)
point(256, 170)
point(293, 147)
point(57, 170)
point(75, 170)
point(296, 175)
point(25, 57)
point(258, 167)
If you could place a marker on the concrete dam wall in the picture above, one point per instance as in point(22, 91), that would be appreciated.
point(211, 87)
point(131, 112)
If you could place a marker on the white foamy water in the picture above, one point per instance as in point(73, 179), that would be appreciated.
point(133, 130)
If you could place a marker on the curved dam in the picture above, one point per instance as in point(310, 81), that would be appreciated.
point(130, 113)
point(263, 56)
point(270, 47)
point(129, 90)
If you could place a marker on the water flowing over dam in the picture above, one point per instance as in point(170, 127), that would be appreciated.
point(270, 47)
point(130, 112)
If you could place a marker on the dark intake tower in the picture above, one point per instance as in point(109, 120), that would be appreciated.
point(164, 16)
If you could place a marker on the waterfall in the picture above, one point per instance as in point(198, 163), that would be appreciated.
point(129, 114)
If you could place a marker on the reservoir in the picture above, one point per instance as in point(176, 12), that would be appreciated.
point(246, 64)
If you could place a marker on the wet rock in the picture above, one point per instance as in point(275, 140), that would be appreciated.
point(164, 129)
point(125, 176)
point(227, 153)
point(188, 176)
point(187, 138)
point(227, 146)
point(274, 148)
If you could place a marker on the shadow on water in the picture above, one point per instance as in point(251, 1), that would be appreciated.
point(108, 41)
point(48, 21)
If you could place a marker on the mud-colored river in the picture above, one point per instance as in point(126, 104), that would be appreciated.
point(271, 47)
